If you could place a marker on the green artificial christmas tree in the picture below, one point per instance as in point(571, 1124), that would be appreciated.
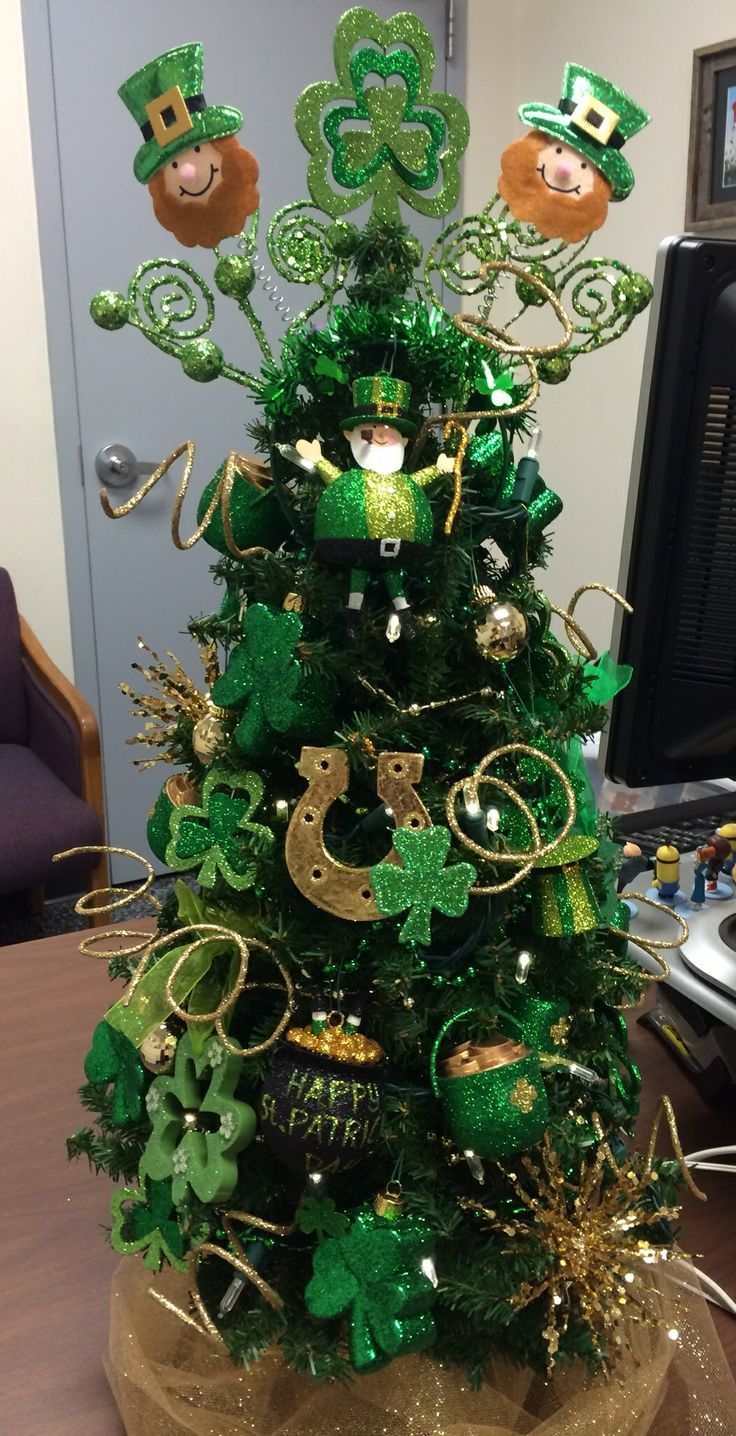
point(369, 1085)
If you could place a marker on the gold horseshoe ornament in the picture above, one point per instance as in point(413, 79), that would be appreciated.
point(334, 887)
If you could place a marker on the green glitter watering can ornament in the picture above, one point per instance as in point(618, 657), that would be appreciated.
point(492, 1095)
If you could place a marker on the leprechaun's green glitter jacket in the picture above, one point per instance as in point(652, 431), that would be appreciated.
point(361, 504)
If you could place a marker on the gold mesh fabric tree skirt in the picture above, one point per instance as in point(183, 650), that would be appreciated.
point(168, 1380)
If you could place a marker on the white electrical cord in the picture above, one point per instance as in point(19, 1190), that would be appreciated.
point(708, 1287)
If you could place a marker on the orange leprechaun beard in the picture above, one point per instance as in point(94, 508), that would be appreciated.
point(222, 211)
point(555, 215)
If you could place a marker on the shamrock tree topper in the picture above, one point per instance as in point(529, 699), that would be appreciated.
point(386, 141)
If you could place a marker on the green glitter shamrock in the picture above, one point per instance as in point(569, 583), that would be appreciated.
point(263, 675)
point(113, 1058)
point(389, 141)
point(151, 1227)
point(375, 1274)
point(318, 1216)
point(198, 1126)
point(423, 882)
point(219, 836)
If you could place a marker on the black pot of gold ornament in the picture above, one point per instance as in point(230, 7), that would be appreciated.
point(322, 1101)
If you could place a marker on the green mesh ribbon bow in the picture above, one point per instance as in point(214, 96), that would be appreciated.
point(422, 883)
point(386, 140)
point(375, 1275)
point(198, 1125)
point(113, 1058)
point(262, 677)
point(219, 835)
point(604, 678)
point(145, 1224)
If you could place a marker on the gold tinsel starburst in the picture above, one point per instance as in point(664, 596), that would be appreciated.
point(596, 1260)
point(175, 696)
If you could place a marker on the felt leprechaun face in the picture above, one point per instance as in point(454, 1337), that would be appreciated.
point(552, 186)
point(379, 447)
point(207, 192)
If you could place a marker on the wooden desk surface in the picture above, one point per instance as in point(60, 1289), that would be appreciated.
point(56, 1268)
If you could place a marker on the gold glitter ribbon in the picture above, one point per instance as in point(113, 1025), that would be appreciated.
point(524, 860)
point(454, 426)
point(251, 469)
point(653, 945)
point(577, 635)
point(240, 1264)
point(479, 328)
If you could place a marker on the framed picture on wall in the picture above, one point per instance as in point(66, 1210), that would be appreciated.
point(711, 169)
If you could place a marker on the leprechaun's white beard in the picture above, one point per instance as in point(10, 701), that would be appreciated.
point(382, 458)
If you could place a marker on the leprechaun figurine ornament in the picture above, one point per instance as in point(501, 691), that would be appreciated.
point(201, 180)
point(373, 517)
point(563, 175)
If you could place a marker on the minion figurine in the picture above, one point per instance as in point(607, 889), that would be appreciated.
point(666, 885)
point(728, 831)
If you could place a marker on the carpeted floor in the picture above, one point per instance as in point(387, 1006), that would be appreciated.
point(58, 915)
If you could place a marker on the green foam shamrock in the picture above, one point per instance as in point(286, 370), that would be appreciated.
point(262, 676)
point(198, 1125)
point(219, 836)
point(422, 883)
point(150, 1226)
point(388, 140)
point(318, 1216)
point(374, 1273)
point(113, 1058)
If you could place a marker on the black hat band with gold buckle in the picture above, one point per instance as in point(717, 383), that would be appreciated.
point(169, 116)
point(595, 121)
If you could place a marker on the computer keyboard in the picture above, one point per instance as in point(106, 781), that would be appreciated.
point(685, 834)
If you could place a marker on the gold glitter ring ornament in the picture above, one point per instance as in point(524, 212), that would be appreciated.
point(494, 1107)
point(234, 464)
point(479, 328)
point(525, 860)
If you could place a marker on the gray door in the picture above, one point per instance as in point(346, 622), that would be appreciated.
point(97, 225)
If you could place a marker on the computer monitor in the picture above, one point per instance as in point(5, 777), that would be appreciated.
point(676, 722)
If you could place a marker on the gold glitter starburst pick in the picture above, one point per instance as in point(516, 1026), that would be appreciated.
point(175, 696)
point(596, 1260)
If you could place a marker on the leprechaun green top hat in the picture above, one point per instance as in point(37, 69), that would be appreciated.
point(165, 98)
point(381, 399)
point(595, 118)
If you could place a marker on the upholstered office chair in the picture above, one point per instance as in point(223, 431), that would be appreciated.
point(50, 771)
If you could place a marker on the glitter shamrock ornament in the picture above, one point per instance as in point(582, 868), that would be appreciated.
point(113, 1058)
point(201, 180)
point(322, 1101)
point(145, 1221)
point(380, 1274)
point(265, 682)
point(422, 882)
point(492, 1094)
point(198, 1126)
point(218, 836)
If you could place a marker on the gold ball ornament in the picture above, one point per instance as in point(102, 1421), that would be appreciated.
point(207, 736)
point(500, 631)
point(158, 1049)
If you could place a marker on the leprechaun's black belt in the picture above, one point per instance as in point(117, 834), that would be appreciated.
point(369, 552)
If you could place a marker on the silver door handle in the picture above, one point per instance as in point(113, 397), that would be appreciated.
point(116, 465)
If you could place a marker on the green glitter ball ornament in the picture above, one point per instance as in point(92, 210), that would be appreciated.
point(201, 360)
point(632, 292)
point(109, 309)
point(528, 293)
point(555, 369)
point(235, 276)
point(343, 238)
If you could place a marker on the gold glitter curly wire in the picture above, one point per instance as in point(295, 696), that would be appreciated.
point(652, 946)
point(83, 905)
point(527, 859)
point(480, 329)
point(577, 635)
point(235, 463)
point(665, 1108)
point(454, 426)
point(414, 709)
